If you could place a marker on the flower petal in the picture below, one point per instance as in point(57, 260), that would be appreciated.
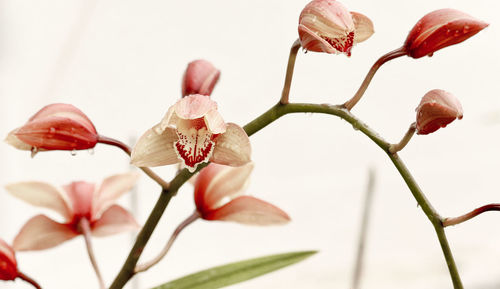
point(194, 106)
point(80, 195)
point(155, 148)
point(216, 182)
point(14, 141)
point(114, 220)
point(200, 77)
point(8, 263)
point(364, 27)
point(249, 210)
point(195, 144)
point(64, 110)
point(232, 148)
point(41, 233)
point(214, 122)
point(42, 195)
point(313, 42)
point(111, 189)
point(57, 132)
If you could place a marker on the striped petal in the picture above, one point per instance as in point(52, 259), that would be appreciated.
point(249, 210)
point(155, 148)
point(42, 195)
point(232, 148)
point(111, 189)
point(41, 233)
point(114, 220)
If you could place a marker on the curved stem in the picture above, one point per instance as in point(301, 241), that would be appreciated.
point(460, 219)
point(84, 226)
point(289, 71)
point(254, 126)
point(394, 148)
point(368, 78)
point(143, 267)
point(110, 141)
point(28, 279)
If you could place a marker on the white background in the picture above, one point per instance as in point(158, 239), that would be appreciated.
point(121, 62)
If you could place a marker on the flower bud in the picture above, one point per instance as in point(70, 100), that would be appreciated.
point(200, 77)
point(55, 127)
point(8, 264)
point(327, 26)
point(437, 109)
point(439, 29)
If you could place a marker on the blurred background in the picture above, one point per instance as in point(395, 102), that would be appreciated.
point(121, 62)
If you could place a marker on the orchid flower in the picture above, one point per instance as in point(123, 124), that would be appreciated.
point(437, 109)
point(77, 202)
point(192, 132)
point(218, 195)
point(327, 26)
point(57, 126)
point(439, 29)
point(8, 263)
point(200, 77)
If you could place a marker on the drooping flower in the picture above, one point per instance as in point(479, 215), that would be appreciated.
point(8, 263)
point(57, 126)
point(439, 29)
point(75, 202)
point(218, 195)
point(327, 26)
point(192, 132)
point(437, 109)
point(200, 77)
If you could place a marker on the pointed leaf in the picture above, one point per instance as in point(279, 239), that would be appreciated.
point(233, 273)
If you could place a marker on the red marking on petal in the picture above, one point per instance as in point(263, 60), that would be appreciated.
point(195, 146)
point(343, 44)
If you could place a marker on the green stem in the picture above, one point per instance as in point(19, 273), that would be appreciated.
point(254, 126)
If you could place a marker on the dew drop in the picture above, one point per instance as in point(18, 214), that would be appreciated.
point(34, 151)
point(73, 152)
point(91, 151)
point(448, 31)
point(466, 28)
point(457, 32)
point(52, 130)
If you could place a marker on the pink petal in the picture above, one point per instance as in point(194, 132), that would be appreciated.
point(57, 132)
point(200, 77)
point(364, 27)
point(214, 122)
point(232, 148)
point(14, 141)
point(250, 211)
point(437, 109)
point(114, 220)
point(439, 29)
point(41, 233)
point(220, 182)
point(217, 182)
point(81, 195)
point(194, 106)
point(111, 189)
point(42, 195)
point(8, 263)
point(170, 119)
point(312, 42)
point(64, 110)
point(155, 149)
point(195, 144)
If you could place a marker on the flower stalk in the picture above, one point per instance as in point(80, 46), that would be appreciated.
point(289, 71)
point(394, 148)
point(460, 219)
point(84, 226)
point(369, 76)
point(28, 279)
point(189, 220)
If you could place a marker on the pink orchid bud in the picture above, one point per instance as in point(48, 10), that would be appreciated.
point(439, 29)
point(8, 263)
point(57, 126)
point(200, 77)
point(436, 110)
point(327, 26)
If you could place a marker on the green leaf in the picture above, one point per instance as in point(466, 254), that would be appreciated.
point(233, 273)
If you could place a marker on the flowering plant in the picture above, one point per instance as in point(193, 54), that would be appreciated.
point(193, 137)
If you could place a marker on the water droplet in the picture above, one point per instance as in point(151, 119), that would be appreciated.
point(466, 28)
point(91, 151)
point(457, 32)
point(52, 130)
point(448, 31)
point(34, 151)
point(430, 54)
point(73, 152)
